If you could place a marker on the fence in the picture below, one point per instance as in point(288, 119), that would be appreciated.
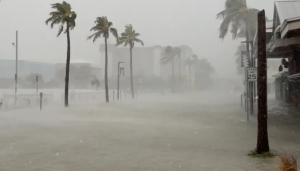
point(84, 96)
point(99, 96)
point(25, 100)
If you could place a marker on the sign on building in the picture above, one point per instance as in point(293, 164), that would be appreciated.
point(244, 59)
point(252, 74)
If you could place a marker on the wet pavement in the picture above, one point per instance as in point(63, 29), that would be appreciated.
point(191, 131)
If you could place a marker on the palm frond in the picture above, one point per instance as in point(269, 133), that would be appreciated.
point(56, 21)
point(66, 6)
point(72, 24)
point(61, 28)
point(114, 33)
point(221, 15)
point(59, 7)
point(48, 20)
point(166, 59)
point(98, 35)
point(121, 41)
point(136, 34)
point(56, 13)
point(225, 24)
point(139, 41)
point(129, 37)
point(103, 27)
point(234, 13)
point(62, 15)
point(124, 35)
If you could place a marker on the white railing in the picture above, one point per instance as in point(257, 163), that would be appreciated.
point(90, 97)
point(25, 100)
point(84, 96)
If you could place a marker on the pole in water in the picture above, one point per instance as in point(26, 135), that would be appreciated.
point(41, 101)
point(242, 100)
point(120, 94)
point(37, 84)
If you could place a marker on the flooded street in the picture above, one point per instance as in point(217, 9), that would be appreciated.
point(192, 131)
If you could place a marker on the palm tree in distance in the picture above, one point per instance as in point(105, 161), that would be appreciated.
point(102, 28)
point(178, 52)
point(189, 63)
point(63, 15)
point(169, 56)
point(129, 37)
point(95, 82)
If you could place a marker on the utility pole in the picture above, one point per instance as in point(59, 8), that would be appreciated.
point(16, 74)
point(250, 85)
point(37, 83)
point(262, 116)
point(118, 91)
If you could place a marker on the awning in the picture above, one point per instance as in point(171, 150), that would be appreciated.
point(282, 74)
point(294, 76)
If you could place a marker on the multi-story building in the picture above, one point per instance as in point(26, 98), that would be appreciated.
point(47, 70)
point(8, 68)
point(146, 60)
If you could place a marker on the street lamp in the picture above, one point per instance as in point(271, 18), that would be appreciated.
point(120, 70)
point(16, 74)
point(249, 85)
point(37, 83)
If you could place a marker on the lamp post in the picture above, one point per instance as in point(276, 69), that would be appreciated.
point(119, 70)
point(250, 85)
point(37, 83)
point(16, 74)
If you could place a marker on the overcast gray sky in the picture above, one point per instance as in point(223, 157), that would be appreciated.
point(160, 22)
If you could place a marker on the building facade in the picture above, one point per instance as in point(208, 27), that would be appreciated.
point(146, 61)
point(8, 69)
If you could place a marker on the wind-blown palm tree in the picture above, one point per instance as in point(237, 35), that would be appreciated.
point(169, 56)
point(102, 28)
point(63, 15)
point(189, 62)
point(241, 18)
point(178, 51)
point(95, 82)
point(243, 21)
point(129, 37)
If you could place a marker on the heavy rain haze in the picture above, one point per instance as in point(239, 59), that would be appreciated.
point(144, 85)
point(168, 22)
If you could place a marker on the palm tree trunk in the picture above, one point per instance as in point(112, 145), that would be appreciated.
point(190, 68)
point(106, 66)
point(131, 77)
point(262, 116)
point(173, 76)
point(179, 73)
point(67, 68)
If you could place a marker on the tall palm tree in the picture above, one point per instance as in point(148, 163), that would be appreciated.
point(63, 15)
point(102, 28)
point(241, 18)
point(129, 37)
point(169, 56)
point(189, 62)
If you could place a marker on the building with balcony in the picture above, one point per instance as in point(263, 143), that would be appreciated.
point(284, 45)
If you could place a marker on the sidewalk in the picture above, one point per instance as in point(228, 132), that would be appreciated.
point(283, 127)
